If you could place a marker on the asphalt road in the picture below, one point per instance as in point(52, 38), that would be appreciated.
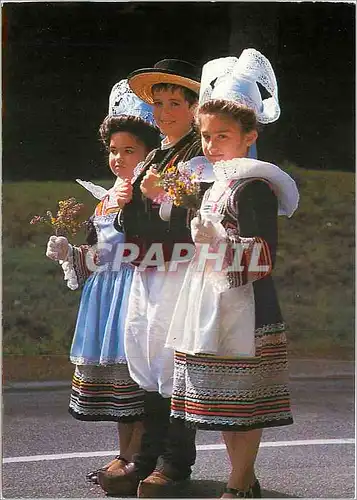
point(314, 458)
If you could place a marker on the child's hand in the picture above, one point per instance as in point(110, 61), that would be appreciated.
point(203, 231)
point(124, 193)
point(149, 185)
point(57, 248)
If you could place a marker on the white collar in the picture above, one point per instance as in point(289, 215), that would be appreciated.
point(100, 192)
point(167, 145)
point(282, 184)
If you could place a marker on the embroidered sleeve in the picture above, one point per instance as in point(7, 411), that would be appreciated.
point(75, 270)
point(79, 263)
point(252, 242)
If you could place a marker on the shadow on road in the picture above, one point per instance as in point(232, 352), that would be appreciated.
point(204, 488)
point(275, 494)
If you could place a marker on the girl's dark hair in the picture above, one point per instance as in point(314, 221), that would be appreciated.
point(190, 96)
point(143, 131)
point(242, 114)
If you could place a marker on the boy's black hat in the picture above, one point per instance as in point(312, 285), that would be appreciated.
point(166, 71)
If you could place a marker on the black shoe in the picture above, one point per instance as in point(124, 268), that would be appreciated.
point(239, 493)
point(92, 476)
point(256, 491)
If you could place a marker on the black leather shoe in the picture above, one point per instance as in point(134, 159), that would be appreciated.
point(256, 491)
point(253, 492)
point(238, 493)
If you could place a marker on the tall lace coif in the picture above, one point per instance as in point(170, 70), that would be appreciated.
point(236, 79)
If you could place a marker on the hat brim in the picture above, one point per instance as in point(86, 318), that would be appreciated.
point(141, 82)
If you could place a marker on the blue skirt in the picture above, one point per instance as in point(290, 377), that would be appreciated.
point(99, 334)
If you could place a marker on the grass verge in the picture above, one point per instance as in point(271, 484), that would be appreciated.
point(314, 271)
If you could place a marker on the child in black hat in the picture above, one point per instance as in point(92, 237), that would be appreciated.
point(168, 448)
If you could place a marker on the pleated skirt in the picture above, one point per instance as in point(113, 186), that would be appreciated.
point(105, 393)
point(235, 393)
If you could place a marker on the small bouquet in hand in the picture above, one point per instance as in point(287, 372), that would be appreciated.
point(182, 185)
point(67, 220)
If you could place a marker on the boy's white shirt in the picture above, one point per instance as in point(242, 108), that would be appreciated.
point(166, 207)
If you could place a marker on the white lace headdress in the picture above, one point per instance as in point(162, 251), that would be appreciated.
point(236, 79)
point(122, 101)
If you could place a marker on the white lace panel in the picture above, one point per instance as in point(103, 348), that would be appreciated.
point(97, 191)
point(254, 65)
point(283, 185)
point(123, 101)
point(257, 67)
point(137, 171)
point(212, 70)
point(240, 90)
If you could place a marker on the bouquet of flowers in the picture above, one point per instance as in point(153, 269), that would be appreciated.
point(67, 220)
point(182, 186)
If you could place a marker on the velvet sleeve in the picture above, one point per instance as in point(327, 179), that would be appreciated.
point(79, 263)
point(256, 208)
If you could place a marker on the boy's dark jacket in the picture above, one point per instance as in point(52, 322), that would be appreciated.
point(140, 219)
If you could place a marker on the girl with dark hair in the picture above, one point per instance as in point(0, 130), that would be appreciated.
point(102, 389)
point(227, 329)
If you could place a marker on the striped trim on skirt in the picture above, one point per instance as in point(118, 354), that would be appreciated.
point(105, 393)
point(230, 393)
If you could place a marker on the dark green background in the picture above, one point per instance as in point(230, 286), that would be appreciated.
point(61, 59)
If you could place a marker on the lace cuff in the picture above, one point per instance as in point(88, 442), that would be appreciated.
point(74, 266)
point(68, 270)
